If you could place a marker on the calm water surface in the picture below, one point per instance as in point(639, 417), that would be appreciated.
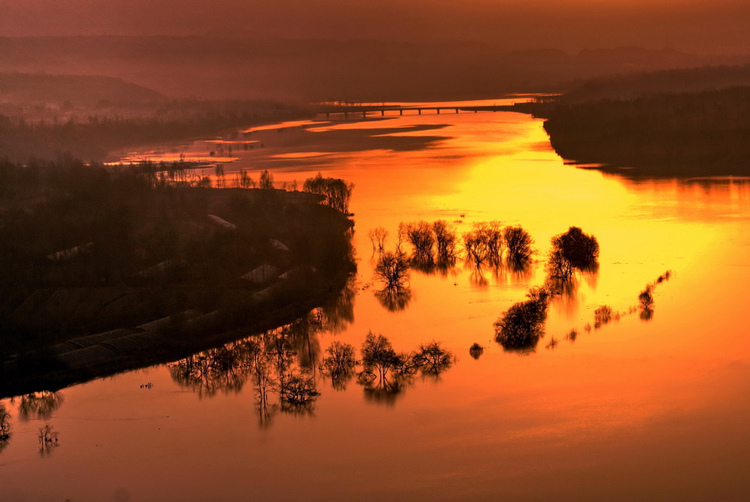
point(634, 410)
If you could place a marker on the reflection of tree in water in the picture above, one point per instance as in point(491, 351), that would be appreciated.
point(39, 405)
point(477, 276)
point(279, 363)
point(223, 369)
point(5, 427)
point(394, 300)
point(339, 313)
point(48, 440)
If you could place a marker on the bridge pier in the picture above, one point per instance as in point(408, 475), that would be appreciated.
point(401, 112)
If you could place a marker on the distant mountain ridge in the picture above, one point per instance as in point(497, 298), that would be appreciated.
point(72, 90)
point(329, 69)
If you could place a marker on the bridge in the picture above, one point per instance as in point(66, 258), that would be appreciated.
point(364, 111)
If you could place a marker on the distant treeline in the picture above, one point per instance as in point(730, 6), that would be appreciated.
point(635, 85)
point(93, 136)
point(682, 134)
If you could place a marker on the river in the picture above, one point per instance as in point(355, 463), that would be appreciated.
point(634, 409)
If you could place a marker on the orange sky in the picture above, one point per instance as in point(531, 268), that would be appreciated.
point(691, 25)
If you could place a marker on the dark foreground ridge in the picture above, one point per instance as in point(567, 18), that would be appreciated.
point(105, 270)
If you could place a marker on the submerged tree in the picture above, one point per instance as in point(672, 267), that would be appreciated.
point(579, 249)
point(392, 270)
point(484, 244)
point(377, 238)
point(523, 324)
point(432, 359)
point(476, 350)
point(48, 440)
point(604, 315)
point(646, 303)
point(518, 243)
point(423, 240)
point(445, 240)
point(378, 357)
point(339, 363)
point(298, 393)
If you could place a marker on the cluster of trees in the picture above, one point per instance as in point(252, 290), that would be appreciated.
point(336, 191)
point(522, 325)
point(437, 246)
point(282, 366)
point(385, 372)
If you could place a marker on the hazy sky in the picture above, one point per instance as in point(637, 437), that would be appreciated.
point(696, 25)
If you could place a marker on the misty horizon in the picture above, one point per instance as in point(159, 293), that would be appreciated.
point(506, 25)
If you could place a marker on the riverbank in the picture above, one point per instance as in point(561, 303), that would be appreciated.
point(104, 270)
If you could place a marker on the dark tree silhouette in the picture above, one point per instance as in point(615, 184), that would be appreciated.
point(266, 180)
point(336, 191)
point(423, 240)
point(518, 243)
point(379, 358)
point(579, 249)
point(48, 440)
point(484, 244)
point(5, 427)
point(298, 393)
point(432, 359)
point(523, 324)
point(392, 270)
point(377, 238)
point(646, 303)
point(339, 363)
point(476, 350)
point(604, 315)
point(445, 240)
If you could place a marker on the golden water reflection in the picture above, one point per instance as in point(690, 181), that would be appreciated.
point(656, 409)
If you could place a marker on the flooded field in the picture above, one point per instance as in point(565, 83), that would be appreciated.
point(646, 407)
